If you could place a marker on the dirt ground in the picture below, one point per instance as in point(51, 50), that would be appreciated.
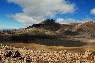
point(89, 46)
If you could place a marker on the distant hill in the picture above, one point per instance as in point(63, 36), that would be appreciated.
point(50, 27)
point(86, 28)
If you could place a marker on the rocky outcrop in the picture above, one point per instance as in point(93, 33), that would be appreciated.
point(48, 24)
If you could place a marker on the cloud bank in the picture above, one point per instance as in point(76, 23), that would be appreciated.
point(72, 20)
point(67, 21)
point(34, 11)
point(93, 11)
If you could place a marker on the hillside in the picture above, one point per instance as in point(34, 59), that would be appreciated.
point(50, 27)
point(86, 28)
point(51, 33)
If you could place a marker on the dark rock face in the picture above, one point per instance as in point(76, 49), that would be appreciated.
point(37, 25)
point(16, 54)
point(8, 53)
point(13, 54)
point(48, 24)
point(0, 58)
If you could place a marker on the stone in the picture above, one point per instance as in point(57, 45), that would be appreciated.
point(8, 53)
point(16, 54)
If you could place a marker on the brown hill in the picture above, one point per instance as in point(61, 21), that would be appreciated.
point(87, 27)
point(50, 27)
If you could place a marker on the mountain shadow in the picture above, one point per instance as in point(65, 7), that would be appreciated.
point(46, 40)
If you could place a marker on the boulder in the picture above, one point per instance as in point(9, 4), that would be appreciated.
point(8, 53)
point(16, 54)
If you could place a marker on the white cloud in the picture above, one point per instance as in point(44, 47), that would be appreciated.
point(87, 20)
point(72, 20)
point(37, 9)
point(93, 11)
point(67, 21)
point(25, 19)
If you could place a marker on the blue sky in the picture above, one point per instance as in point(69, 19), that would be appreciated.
point(83, 9)
point(17, 8)
point(7, 9)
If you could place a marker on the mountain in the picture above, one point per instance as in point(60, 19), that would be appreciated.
point(48, 24)
point(87, 27)
point(50, 27)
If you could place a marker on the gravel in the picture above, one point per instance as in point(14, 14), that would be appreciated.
point(10, 54)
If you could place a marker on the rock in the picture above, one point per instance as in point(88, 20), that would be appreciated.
point(0, 58)
point(16, 54)
point(8, 53)
point(28, 59)
point(93, 53)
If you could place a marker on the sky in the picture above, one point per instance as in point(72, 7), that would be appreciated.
point(22, 13)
